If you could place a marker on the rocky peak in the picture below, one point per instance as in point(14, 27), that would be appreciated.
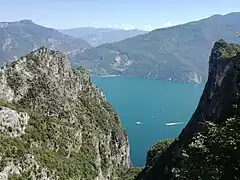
point(218, 96)
point(55, 114)
point(41, 66)
point(212, 129)
point(21, 22)
point(26, 21)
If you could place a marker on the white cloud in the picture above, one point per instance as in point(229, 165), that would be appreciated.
point(127, 26)
point(122, 26)
point(115, 26)
point(168, 24)
point(148, 27)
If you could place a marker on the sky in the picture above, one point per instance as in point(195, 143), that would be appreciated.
point(124, 14)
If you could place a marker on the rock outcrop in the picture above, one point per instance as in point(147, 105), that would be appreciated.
point(55, 124)
point(12, 122)
point(208, 147)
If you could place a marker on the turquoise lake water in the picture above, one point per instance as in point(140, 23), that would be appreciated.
point(153, 103)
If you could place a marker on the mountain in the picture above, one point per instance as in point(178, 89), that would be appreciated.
point(98, 36)
point(21, 37)
point(178, 53)
point(55, 124)
point(208, 147)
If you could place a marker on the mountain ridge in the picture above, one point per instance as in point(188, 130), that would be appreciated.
point(178, 53)
point(55, 124)
point(20, 37)
point(98, 36)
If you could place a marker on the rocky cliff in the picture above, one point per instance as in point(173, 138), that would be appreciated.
point(208, 147)
point(55, 124)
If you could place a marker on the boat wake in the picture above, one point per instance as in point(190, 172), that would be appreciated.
point(174, 123)
point(109, 75)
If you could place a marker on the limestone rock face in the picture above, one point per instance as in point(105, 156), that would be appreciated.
point(11, 122)
point(211, 128)
point(55, 115)
point(220, 91)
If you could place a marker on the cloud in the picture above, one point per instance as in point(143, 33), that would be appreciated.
point(148, 27)
point(127, 26)
point(168, 24)
point(122, 26)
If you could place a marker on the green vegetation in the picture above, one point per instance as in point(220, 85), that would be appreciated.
point(131, 173)
point(54, 143)
point(228, 50)
point(81, 69)
point(216, 153)
point(49, 139)
point(157, 149)
point(72, 132)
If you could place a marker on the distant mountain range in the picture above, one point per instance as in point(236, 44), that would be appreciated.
point(20, 37)
point(98, 36)
point(178, 53)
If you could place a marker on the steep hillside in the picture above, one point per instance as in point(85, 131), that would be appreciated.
point(208, 147)
point(178, 53)
point(55, 124)
point(21, 37)
point(98, 36)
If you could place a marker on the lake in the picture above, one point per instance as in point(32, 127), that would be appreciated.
point(145, 106)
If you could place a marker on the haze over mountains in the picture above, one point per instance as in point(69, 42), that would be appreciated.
point(98, 36)
point(178, 53)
